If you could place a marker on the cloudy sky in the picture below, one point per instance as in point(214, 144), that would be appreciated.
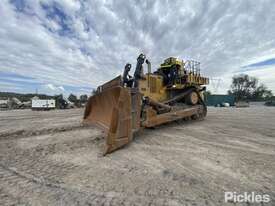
point(62, 46)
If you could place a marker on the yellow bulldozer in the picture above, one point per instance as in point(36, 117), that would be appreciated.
point(127, 104)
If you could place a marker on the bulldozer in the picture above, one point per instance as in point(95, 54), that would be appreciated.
point(125, 105)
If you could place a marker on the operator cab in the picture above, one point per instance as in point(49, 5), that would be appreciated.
point(171, 71)
point(178, 73)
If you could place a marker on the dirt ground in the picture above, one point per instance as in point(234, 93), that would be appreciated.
point(48, 158)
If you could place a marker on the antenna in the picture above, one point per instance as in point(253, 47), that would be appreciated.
point(215, 84)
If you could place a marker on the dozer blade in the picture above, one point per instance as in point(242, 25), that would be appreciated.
point(111, 111)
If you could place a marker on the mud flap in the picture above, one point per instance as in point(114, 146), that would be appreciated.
point(110, 110)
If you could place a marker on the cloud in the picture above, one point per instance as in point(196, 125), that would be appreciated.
point(51, 87)
point(61, 88)
point(266, 74)
point(11, 82)
point(55, 88)
point(85, 43)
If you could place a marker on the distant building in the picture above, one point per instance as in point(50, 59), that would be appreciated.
point(219, 99)
point(4, 101)
point(4, 104)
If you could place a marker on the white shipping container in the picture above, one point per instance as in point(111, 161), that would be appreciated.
point(4, 101)
point(43, 104)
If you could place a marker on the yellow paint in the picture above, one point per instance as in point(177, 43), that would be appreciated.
point(154, 88)
point(152, 84)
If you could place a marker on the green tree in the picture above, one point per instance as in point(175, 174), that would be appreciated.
point(93, 92)
point(83, 98)
point(207, 93)
point(244, 87)
point(72, 98)
point(261, 93)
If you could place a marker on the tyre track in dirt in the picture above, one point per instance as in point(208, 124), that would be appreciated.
point(184, 163)
point(28, 168)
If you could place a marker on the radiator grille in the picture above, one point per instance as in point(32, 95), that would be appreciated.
point(153, 85)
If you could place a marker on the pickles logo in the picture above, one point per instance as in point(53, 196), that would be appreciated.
point(246, 197)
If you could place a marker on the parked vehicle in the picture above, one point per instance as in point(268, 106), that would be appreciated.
point(43, 104)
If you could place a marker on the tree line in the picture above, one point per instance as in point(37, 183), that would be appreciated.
point(248, 88)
